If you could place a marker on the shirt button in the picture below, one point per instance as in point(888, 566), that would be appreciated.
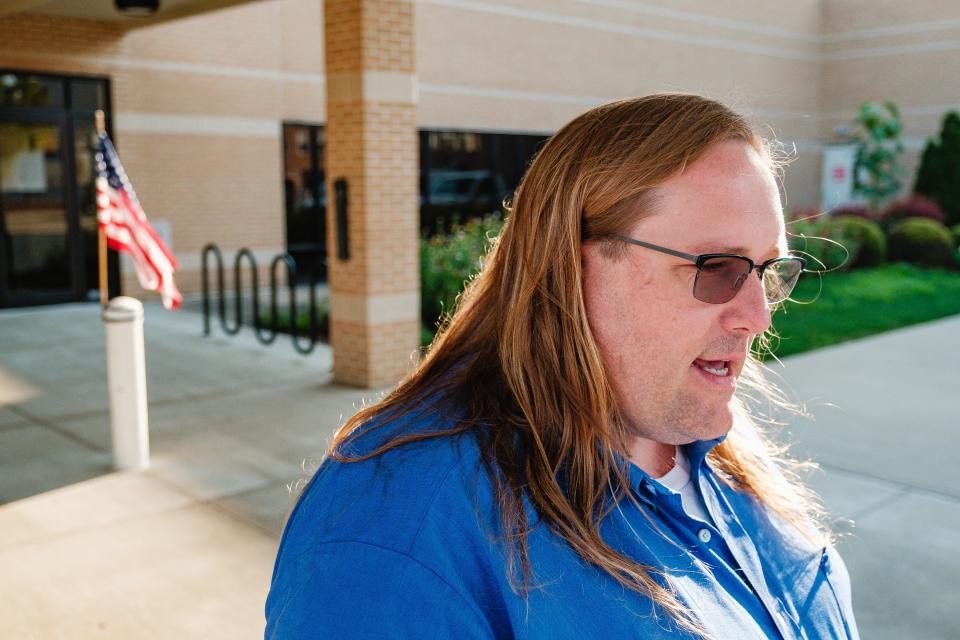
point(704, 535)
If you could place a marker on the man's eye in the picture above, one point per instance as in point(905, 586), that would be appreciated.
point(713, 266)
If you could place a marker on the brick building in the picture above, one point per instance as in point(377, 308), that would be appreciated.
point(236, 118)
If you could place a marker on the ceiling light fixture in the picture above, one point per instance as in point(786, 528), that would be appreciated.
point(137, 7)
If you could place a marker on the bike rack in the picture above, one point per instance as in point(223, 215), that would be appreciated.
point(265, 335)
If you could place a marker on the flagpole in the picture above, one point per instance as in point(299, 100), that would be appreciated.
point(122, 316)
point(101, 127)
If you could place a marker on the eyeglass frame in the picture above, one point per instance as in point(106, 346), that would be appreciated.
point(700, 259)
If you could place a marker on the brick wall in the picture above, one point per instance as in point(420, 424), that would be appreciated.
point(372, 143)
point(223, 81)
point(197, 110)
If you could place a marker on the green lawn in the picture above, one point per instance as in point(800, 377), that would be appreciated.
point(842, 306)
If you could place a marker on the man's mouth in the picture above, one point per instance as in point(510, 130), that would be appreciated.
point(719, 368)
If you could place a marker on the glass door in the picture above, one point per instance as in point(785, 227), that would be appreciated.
point(36, 253)
point(84, 163)
point(48, 226)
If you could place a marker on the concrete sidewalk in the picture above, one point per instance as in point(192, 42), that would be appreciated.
point(186, 548)
point(884, 435)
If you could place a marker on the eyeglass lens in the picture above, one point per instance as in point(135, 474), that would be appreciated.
point(720, 278)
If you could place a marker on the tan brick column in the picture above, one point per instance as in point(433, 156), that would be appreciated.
point(371, 141)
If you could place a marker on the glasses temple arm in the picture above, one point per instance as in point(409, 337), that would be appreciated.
point(641, 243)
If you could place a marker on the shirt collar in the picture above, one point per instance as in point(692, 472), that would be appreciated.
point(648, 488)
point(697, 451)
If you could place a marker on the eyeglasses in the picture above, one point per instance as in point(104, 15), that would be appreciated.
point(720, 275)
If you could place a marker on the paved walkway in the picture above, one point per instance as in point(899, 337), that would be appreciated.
point(186, 548)
point(885, 437)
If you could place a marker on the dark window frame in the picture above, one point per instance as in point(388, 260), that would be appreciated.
point(438, 217)
point(317, 139)
point(66, 118)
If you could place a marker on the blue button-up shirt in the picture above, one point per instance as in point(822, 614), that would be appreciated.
point(405, 545)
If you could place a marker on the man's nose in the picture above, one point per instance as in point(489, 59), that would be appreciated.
point(749, 311)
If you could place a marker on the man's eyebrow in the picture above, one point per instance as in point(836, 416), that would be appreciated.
point(712, 247)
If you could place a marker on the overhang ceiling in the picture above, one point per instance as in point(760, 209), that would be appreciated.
point(105, 9)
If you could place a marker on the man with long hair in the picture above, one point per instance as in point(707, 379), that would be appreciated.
point(579, 454)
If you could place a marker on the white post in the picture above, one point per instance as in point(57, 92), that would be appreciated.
point(127, 382)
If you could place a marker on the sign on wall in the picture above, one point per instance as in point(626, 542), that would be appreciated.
point(836, 182)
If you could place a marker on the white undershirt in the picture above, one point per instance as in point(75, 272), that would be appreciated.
point(678, 479)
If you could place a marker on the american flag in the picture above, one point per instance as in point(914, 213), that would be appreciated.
point(125, 225)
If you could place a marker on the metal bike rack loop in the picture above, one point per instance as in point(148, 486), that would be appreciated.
point(265, 335)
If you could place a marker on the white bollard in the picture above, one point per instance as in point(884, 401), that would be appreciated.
point(127, 382)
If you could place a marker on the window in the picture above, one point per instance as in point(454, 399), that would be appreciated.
point(467, 174)
point(48, 228)
point(305, 199)
point(26, 90)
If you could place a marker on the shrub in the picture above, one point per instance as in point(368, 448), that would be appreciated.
point(855, 210)
point(922, 241)
point(955, 230)
point(939, 173)
point(825, 246)
point(915, 206)
point(301, 322)
point(448, 261)
point(871, 244)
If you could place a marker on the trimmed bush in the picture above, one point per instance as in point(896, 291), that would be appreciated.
point(871, 244)
point(302, 320)
point(448, 261)
point(922, 241)
point(915, 206)
point(855, 210)
point(826, 246)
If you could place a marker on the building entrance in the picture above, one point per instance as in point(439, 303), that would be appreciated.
point(305, 199)
point(48, 227)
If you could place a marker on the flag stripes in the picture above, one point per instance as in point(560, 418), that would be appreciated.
point(126, 227)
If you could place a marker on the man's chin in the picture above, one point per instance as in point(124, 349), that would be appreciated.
point(690, 420)
point(712, 426)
